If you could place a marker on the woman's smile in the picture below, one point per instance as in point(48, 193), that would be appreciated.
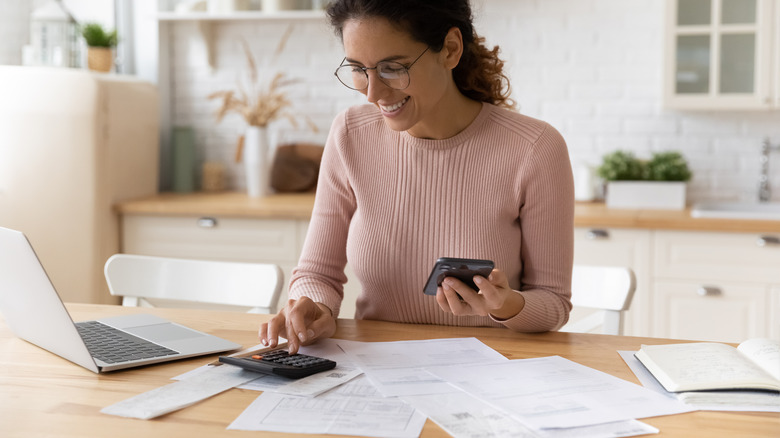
point(393, 109)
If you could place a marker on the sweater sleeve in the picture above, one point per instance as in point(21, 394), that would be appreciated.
point(547, 225)
point(320, 271)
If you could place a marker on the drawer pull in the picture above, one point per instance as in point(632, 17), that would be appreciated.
point(207, 222)
point(768, 241)
point(597, 234)
point(709, 291)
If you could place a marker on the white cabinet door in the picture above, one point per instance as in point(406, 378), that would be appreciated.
point(719, 54)
point(706, 256)
point(276, 241)
point(713, 286)
point(620, 247)
point(715, 311)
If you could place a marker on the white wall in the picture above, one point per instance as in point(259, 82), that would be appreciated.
point(592, 68)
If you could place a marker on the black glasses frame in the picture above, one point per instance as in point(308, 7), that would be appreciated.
point(366, 69)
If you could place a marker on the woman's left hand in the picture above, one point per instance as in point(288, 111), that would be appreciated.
point(494, 298)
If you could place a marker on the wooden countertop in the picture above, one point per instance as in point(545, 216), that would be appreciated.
point(299, 206)
point(278, 206)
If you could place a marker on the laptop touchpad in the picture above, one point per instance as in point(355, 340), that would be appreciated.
point(163, 332)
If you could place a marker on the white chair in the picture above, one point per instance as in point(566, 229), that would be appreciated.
point(606, 289)
point(147, 281)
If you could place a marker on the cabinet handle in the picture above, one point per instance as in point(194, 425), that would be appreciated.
point(709, 291)
point(207, 222)
point(597, 234)
point(768, 241)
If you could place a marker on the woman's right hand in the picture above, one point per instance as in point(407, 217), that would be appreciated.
point(301, 322)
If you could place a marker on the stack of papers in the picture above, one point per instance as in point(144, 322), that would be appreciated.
point(479, 393)
point(388, 389)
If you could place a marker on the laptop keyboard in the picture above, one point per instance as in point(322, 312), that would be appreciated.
point(112, 345)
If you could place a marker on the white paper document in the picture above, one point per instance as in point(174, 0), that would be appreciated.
point(309, 386)
point(316, 384)
point(397, 368)
point(553, 392)
point(183, 393)
point(354, 408)
point(747, 401)
point(464, 416)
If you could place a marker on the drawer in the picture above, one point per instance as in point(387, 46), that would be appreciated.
point(611, 247)
point(217, 238)
point(717, 256)
point(726, 312)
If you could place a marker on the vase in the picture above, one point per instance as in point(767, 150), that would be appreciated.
point(256, 162)
point(183, 159)
point(100, 59)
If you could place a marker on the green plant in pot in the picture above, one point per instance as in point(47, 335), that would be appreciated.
point(658, 183)
point(620, 166)
point(100, 42)
point(667, 166)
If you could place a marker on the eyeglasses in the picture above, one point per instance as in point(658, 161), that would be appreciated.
point(393, 74)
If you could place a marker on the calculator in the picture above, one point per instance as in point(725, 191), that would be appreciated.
point(281, 363)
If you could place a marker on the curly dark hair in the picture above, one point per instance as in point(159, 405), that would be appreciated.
point(479, 74)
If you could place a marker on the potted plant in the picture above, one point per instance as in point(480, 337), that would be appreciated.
point(658, 183)
point(100, 44)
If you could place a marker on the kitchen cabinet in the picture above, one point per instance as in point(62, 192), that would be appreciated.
point(217, 238)
point(620, 247)
point(714, 311)
point(240, 239)
point(722, 54)
point(719, 286)
point(713, 286)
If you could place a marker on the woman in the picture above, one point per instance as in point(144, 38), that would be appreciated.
point(435, 165)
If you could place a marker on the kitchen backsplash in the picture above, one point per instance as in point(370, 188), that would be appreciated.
point(591, 68)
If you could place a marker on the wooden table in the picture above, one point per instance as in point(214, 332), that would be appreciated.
point(44, 395)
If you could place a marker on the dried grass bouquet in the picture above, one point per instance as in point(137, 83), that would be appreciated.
point(259, 105)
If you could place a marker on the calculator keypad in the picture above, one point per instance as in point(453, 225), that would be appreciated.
point(281, 363)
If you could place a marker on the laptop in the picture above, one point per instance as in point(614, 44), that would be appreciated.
point(33, 311)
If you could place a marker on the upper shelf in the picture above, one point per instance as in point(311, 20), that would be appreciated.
point(206, 22)
point(308, 14)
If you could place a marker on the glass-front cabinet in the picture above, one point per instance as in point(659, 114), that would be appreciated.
point(722, 54)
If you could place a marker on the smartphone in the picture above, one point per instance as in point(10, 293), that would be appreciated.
point(462, 269)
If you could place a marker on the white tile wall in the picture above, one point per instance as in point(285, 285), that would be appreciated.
point(592, 68)
point(14, 30)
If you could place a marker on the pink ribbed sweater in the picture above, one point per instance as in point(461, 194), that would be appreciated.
point(391, 204)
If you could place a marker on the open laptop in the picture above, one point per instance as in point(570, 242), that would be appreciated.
point(34, 312)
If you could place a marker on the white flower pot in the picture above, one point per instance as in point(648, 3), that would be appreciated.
point(652, 195)
point(257, 164)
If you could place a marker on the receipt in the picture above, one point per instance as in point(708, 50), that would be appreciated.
point(181, 394)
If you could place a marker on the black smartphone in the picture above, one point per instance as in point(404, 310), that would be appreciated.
point(462, 269)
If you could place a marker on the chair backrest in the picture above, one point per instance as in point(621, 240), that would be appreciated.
point(609, 289)
point(170, 282)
